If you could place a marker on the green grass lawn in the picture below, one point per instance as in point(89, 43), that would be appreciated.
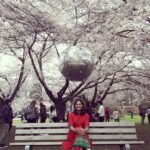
point(17, 121)
point(136, 118)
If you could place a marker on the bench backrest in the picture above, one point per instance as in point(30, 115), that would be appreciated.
point(57, 132)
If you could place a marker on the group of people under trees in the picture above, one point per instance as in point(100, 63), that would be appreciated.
point(100, 114)
point(32, 115)
point(97, 114)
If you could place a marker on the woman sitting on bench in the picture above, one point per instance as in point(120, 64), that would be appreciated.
point(78, 125)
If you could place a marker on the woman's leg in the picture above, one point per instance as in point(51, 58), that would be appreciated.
point(77, 148)
point(66, 145)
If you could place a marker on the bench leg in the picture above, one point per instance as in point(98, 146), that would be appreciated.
point(125, 147)
point(27, 147)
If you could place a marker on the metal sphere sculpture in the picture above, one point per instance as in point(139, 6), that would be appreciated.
point(76, 64)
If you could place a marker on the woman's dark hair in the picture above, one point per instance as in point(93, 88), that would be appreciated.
point(83, 111)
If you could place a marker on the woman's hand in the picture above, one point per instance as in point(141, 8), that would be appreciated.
point(80, 131)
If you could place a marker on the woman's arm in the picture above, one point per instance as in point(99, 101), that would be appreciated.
point(86, 129)
point(73, 129)
point(71, 122)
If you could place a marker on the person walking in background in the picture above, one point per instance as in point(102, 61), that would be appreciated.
point(107, 114)
point(148, 114)
point(101, 112)
point(78, 125)
point(6, 118)
point(53, 115)
point(42, 114)
point(116, 115)
point(142, 114)
point(95, 115)
point(131, 114)
point(68, 112)
point(31, 113)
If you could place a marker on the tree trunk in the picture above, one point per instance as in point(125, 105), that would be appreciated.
point(60, 109)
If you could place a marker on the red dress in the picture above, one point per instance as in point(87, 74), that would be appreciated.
point(77, 121)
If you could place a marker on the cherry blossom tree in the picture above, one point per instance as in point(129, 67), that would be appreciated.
point(117, 32)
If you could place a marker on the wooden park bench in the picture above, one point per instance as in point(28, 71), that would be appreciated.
point(122, 134)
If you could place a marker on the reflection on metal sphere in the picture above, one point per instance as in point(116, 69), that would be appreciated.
point(76, 63)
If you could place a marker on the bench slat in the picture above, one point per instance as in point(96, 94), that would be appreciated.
point(65, 131)
point(94, 143)
point(62, 137)
point(65, 124)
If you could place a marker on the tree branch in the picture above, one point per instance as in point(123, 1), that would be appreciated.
point(64, 88)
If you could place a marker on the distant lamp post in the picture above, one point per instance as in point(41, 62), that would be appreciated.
point(76, 64)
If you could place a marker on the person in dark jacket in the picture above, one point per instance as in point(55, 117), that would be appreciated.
point(43, 114)
point(31, 112)
point(142, 114)
point(6, 117)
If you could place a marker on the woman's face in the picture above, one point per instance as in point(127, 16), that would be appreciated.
point(78, 106)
